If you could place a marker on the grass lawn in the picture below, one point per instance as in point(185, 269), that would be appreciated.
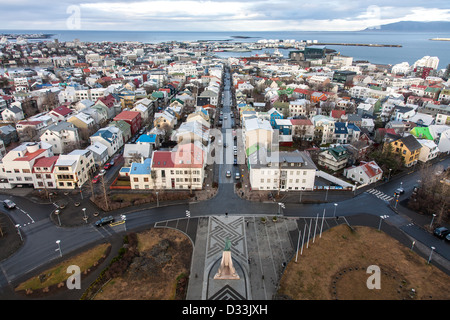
point(58, 274)
point(335, 267)
point(158, 273)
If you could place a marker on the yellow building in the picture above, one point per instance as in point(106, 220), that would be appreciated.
point(408, 148)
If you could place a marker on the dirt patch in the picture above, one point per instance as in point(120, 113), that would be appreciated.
point(160, 272)
point(335, 267)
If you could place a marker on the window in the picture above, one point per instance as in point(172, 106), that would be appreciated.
point(135, 179)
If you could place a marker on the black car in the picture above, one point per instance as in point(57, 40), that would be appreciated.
point(441, 232)
point(103, 221)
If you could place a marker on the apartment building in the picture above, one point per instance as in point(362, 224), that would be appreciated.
point(74, 169)
point(16, 167)
point(282, 171)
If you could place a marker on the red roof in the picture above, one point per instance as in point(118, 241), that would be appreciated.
point(304, 91)
point(45, 162)
point(127, 115)
point(30, 156)
point(337, 114)
point(371, 168)
point(162, 159)
point(301, 122)
point(188, 156)
point(108, 100)
point(62, 110)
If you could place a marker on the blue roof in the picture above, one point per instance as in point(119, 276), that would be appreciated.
point(141, 168)
point(353, 127)
point(340, 128)
point(149, 138)
point(105, 134)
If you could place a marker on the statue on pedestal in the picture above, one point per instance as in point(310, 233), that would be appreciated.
point(226, 270)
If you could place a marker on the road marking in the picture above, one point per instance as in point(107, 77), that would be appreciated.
point(116, 223)
point(32, 221)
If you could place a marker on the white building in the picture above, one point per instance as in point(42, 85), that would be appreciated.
point(17, 165)
point(282, 171)
point(63, 136)
point(364, 174)
point(428, 62)
point(74, 169)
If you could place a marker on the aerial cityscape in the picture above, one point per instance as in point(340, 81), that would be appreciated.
point(217, 164)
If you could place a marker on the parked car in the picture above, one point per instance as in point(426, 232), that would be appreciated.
point(441, 232)
point(107, 166)
point(235, 161)
point(399, 191)
point(102, 172)
point(96, 179)
point(9, 204)
point(103, 221)
point(447, 237)
point(237, 176)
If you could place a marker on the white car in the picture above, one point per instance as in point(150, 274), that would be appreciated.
point(228, 174)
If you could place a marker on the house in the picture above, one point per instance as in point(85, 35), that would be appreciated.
point(12, 113)
point(100, 153)
point(164, 120)
point(407, 147)
point(134, 152)
point(17, 165)
point(428, 151)
point(190, 132)
point(8, 134)
point(282, 172)
point(133, 118)
point(422, 133)
point(181, 168)
point(73, 170)
point(274, 114)
point(323, 129)
point(61, 113)
point(111, 137)
point(364, 174)
point(302, 128)
point(82, 121)
point(334, 158)
point(368, 124)
point(63, 136)
point(28, 129)
point(257, 132)
point(43, 171)
point(340, 132)
point(141, 175)
point(124, 127)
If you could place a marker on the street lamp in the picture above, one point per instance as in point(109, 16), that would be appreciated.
point(84, 215)
point(301, 193)
point(335, 206)
point(381, 219)
point(59, 247)
point(280, 205)
point(124, 218)
point(157, 199)
point(431, 252)
point(389, 176)
point(18, 231)
point(432, 219)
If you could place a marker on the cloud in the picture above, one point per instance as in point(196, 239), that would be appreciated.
point(217, 15)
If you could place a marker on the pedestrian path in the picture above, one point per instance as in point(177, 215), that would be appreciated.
point(380, 195)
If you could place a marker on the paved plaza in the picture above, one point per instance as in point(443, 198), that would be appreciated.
point(260, 251)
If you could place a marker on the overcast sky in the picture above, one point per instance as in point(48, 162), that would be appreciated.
point(216, 15)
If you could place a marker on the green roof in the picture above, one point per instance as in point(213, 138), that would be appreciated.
point(422, 133)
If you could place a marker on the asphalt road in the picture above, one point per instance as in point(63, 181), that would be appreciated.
point(40, 234)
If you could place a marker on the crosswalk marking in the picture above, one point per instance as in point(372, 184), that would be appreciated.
point(380, 195)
